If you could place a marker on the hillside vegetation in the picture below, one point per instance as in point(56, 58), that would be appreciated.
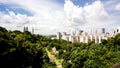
point(25, 50)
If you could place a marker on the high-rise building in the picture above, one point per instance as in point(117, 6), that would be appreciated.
point(103, 30)
point(117, 30)
point(25, 29)
point(59, 35)
point(84, 37)
point(32, 30)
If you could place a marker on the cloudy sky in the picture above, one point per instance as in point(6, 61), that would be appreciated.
point(51, 16)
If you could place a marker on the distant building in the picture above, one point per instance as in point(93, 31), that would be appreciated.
point(59, 35)
point(81, 36)
point(32, 30)
point(54, 50)
point(53, 37)
point(103, 30)
point(117, 30)
point(25, 29)
point(29, 30)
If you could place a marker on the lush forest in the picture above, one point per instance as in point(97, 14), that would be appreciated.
point(25, 50)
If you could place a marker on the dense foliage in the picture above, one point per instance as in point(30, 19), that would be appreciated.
point(26, 50)
point(22, 49)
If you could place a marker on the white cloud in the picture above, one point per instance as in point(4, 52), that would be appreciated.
point(74, 13)
point(92, 14)
point(50, 17)
point(96, 14)
point(12, 20)
point(41, 25)
point(117, 7)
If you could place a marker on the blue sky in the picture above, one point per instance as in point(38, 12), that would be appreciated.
point(6, 8)
point(59, 15)
point(77, 2)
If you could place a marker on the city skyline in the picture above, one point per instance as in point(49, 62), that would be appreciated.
point(51, 16)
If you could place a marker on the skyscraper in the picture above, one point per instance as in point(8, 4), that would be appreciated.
point(117, 30)
point(32, 30)
point(25, 29)
point(103, 30)
point(59, 35)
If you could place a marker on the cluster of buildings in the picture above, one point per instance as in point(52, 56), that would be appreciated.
point(84, 37)
point(27, 29)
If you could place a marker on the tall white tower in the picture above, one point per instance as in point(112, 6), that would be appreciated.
point(59, 35)
point(32, 30)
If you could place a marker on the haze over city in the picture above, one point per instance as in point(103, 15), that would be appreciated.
point(51, 16)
